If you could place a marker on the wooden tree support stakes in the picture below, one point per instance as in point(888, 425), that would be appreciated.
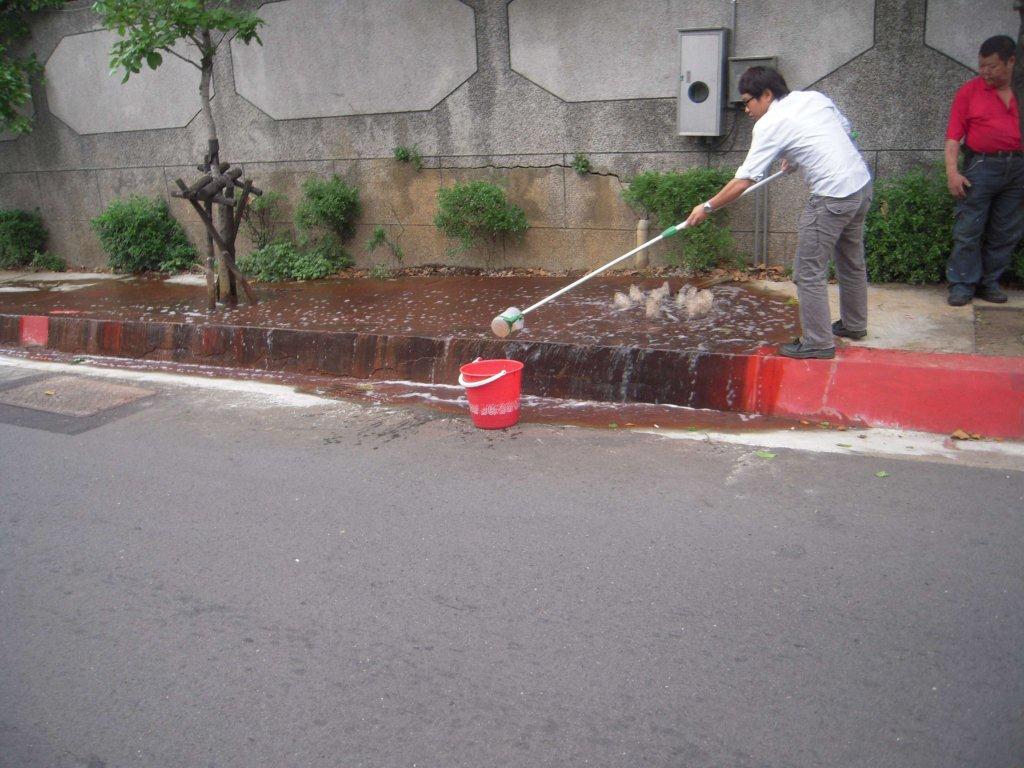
point(216, 188)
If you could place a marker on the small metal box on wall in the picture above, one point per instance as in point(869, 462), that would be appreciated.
point(702, 79)
point(740, 64)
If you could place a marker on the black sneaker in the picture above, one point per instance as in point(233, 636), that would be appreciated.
point(800, 352)
point(838, 329)
point(958, 299)
point(992, 294)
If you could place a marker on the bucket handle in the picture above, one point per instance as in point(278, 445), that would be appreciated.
point(473, 384)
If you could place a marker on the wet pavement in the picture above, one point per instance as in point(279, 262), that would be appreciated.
point(741, 319)
point(451, 398)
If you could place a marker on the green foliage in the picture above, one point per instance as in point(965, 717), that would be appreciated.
point(379, 238)
point(147, 27)
point(282, 260)
point(380, 272)
point(48, 262)
point(329, 249)
point(581, 163)
point(908, 234)
point(328, 205)
point(669, 197)
point(476, 212)
point(139, 235)
point(1016, 270)
point(261, 216)
point(16, 71)
point(22, 235)
point(409, 155)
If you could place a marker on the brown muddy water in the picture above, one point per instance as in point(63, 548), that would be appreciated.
point(741, 319)
point(449, 399)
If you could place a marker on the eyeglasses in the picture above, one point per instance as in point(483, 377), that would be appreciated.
point(747, 100)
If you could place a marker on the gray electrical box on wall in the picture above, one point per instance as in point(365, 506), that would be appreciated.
point(702, 55)
point(740, 64)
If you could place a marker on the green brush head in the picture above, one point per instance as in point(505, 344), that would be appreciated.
point(508, 321)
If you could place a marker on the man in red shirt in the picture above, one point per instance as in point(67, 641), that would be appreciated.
point(990, 192)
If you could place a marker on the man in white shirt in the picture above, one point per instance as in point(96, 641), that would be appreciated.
point(810, 134)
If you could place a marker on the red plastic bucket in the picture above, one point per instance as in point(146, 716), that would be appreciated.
point(492, 388)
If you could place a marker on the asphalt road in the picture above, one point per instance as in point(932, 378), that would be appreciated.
point(219, 579)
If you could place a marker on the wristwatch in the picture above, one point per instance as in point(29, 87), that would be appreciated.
point(707, 207)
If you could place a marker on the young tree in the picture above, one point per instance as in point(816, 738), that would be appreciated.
point(191, 30)
point(16, 71)
point(151, 28)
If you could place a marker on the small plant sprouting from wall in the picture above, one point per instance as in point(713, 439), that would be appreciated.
point(380, 238)
point(581, 163)
point(261, 217)
point(409, 155)
point(477, 213)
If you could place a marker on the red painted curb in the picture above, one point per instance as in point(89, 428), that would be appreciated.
point(892, 388)
point(34, 330)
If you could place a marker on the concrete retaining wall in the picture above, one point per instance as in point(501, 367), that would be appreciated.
point(488, 89)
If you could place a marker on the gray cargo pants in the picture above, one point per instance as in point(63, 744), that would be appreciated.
point(831, 228)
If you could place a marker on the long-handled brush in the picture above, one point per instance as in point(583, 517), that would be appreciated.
point(512, 319)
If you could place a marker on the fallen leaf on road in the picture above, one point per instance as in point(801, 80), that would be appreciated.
point(960, 434)
point(881, 473)
point(50, 392)
point(844, 445)
point(765, 455)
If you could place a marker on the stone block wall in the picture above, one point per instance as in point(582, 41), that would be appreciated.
point(503, 90)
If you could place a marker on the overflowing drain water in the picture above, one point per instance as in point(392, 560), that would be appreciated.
point(460, 307)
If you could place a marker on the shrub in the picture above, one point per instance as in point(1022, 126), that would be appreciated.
point(329, 205)
point(409, 155)
point(48, 262)
point(261, 217)
point(282, 260)
point(1016, 270)
point(909, 230)
point(139, 235)
point(476, 212)
point(330, 250)
point(22, 235)
point(669, 197)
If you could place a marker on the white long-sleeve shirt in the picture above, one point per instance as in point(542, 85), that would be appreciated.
point(809, 131)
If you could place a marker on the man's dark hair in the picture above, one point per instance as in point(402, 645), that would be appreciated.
point(756, 80)
point(1002, 45)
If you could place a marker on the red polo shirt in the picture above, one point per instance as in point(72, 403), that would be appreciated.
point(981, 116)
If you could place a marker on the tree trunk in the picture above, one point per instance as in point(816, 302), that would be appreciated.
point(206, 60)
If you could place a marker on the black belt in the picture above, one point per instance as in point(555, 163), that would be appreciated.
point(1000, 153)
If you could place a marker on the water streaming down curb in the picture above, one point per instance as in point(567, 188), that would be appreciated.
point(422, 330)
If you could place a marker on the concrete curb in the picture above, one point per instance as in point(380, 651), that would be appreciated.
point(931, 392)
point(924, 391)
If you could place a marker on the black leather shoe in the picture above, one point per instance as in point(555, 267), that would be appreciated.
point(958, 299)
point(800, 352)
point(992, 294)
point(838, 329)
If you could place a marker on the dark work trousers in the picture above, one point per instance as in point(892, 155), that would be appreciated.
point(831, 229)
point(988, 225)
